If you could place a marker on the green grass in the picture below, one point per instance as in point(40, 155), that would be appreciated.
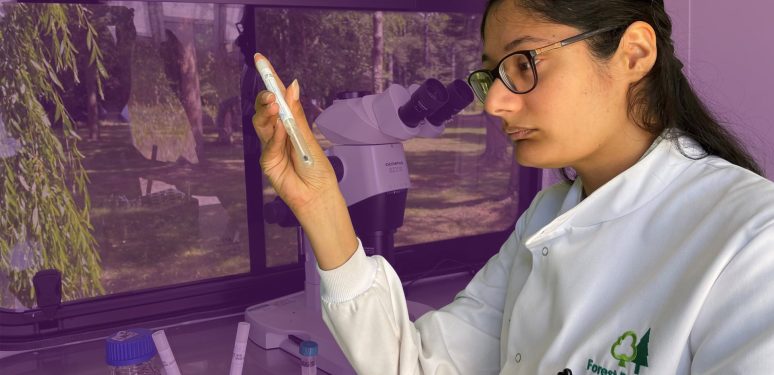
point(454, 193)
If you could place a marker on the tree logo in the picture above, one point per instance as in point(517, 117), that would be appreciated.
point(627, 349)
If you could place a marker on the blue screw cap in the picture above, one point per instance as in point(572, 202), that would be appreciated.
point(308, 348)
point(129, 347)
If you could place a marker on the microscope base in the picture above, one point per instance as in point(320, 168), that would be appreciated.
point(272, 322)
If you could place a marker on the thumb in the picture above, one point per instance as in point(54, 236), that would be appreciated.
point(293, 94)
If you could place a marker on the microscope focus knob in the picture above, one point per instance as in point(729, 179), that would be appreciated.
point(277, 212)
point(338, 167)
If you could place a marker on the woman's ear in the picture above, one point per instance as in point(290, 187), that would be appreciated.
point(637, 52)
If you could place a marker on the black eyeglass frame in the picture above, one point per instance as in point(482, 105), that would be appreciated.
point(497, 72)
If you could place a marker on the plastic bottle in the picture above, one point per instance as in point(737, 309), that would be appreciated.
point(130, 352)
point(308, 350)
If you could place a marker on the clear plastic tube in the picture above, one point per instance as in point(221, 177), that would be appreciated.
point(308, 350)
point(240, 346)
point(165, 353)
point(284, 111)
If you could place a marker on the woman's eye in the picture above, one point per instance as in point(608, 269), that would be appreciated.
point(525, 65)
point(528, 67)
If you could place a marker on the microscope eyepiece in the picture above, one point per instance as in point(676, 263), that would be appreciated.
point(460, 95)
point(430, 96)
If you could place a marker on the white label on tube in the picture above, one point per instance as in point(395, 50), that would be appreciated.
point(271, 84)
point(165, 353)
point(237, 361)
point(169, 363)
point(239, 351)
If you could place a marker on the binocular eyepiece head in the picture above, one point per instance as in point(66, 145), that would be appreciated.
point(436, 103)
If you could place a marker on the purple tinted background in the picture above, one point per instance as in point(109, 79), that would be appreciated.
point(730, 60)
point(726, 49)
point(727, 59)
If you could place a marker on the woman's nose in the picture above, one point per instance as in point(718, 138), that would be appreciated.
point(500, 100)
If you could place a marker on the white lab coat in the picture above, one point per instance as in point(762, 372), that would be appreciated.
point(673, 259)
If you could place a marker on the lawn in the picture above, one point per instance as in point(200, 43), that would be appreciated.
point(198, 229)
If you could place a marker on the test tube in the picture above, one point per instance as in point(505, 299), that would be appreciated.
point(165, 353)
point(240, 345)
point(308, 351)
point(288, 121)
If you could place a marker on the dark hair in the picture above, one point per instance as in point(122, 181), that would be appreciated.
point(663, 98)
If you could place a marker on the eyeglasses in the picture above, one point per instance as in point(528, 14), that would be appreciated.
point(517, 69)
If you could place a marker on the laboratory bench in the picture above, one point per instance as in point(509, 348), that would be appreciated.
point(205, 346)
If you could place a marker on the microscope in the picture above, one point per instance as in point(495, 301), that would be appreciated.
point(370, 165)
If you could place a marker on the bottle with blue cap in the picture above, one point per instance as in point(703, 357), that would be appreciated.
point(130, 352)
point(308, 351)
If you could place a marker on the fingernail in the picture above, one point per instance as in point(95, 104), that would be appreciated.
point(296, 91)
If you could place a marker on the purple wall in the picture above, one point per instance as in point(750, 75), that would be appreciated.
point(726, 47)
point(731, 60)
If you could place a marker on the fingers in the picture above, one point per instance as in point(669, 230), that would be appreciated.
point(266, 109)
point(265, 120)
point(266, 115)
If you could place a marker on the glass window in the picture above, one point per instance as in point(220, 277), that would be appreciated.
point(463, 182)
point(162, 151)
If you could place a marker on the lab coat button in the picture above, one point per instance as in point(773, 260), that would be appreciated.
point(518, 357)
point(545, 251)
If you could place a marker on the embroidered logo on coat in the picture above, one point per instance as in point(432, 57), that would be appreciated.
point(627, 349)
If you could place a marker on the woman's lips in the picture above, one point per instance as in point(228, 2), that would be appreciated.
point(521, 134)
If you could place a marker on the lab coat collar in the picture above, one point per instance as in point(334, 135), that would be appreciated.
point(634, 187)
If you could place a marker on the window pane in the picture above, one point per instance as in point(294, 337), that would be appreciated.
point(162, 151)
point(463, 183)
point(163, 148)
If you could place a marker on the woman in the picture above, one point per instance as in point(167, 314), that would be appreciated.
point(656, 259)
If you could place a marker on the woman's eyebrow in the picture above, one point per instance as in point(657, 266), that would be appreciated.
point(512, 45)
